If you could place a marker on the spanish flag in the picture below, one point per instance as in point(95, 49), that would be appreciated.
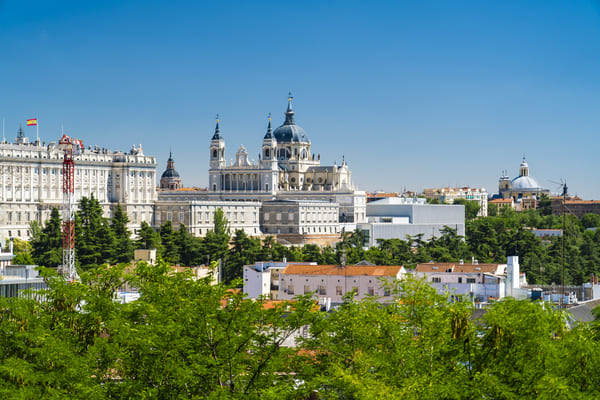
point(32, 122)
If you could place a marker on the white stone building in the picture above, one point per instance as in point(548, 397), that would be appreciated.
point(334, 281)
point(482, 281)
point(302, 217)
point(262, 278)
point(31, 182)
point(448, 195)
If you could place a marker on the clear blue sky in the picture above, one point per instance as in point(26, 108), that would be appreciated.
point(414, 94)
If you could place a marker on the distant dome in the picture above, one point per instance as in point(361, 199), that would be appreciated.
point(290, 132)
point(524, 182)
point(170, 173)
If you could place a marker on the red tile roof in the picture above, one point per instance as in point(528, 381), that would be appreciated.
point(371, 270)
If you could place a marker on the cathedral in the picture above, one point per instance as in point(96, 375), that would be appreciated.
point(285, 192)
point(287, 169)
point(285, 164)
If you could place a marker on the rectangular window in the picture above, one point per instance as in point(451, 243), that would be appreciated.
point(371, 291)
point(470, 280)
point(460, 279)
point(169, 217)
point(291, 289)
point(386, 291)
point(306, 289)
point(355, 290)
point(322, 290)
point(181, 216)
point(338, 290)
point(436, 280)
point(290, 217)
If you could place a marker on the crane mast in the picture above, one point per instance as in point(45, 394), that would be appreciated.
point(70, 147)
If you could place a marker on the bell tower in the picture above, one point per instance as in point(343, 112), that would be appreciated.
point(217, 149)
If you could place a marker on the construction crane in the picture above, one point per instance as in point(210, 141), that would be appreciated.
point(70, 147)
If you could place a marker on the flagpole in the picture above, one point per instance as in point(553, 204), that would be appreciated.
point(3, 137)
point(37, 130)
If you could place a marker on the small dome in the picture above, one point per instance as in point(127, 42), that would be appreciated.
point(524, 183)
point(170, 173)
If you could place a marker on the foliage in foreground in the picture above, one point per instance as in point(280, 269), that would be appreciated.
point(188, 339)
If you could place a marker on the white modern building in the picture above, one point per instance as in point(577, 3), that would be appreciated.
point(397, 217)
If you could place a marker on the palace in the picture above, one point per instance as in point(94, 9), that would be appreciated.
point(31, 176)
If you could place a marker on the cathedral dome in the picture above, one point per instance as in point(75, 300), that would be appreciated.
point(524, 183)
point(289, 132)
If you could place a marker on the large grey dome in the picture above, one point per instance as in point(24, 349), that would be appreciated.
point(524, 183)
point(290, 132)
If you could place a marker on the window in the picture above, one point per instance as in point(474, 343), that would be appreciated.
point(322, 290)
point(386, 291)
point(355, 290)
point(460, 279)
point(169, 217)
point(371, 291)
point(291, 289)
point(338, 290)
point(181, 215)
point(470, 280)
point(436, 280)
point(306, 289)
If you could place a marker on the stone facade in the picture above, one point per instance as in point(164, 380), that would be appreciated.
point(31, 177)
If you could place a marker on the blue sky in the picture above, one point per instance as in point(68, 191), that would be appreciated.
point(414, 94)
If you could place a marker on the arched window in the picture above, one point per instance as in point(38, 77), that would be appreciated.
point(215, 153)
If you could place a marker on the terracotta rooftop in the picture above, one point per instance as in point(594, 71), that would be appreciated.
point(371, 270)
point(457, 267)
point(500, 201)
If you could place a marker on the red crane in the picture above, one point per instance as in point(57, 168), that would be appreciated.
point(70, 147)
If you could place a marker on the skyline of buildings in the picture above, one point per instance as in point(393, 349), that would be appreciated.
point(414, 95)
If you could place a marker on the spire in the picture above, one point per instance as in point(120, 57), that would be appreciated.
point(269, 134)
point(217, 135)
point(289, 114)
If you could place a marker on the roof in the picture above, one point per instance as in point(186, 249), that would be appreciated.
point(353, 270)
point(501, 201)
point(457, 268)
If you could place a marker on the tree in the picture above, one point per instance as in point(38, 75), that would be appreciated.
point(123, 243)
point(472, 208)
point(148, 238)
point(46, 243)
point(217, 240)
point(168, 240)
point(545, 205)
point(590, 221)
point(94, 239)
